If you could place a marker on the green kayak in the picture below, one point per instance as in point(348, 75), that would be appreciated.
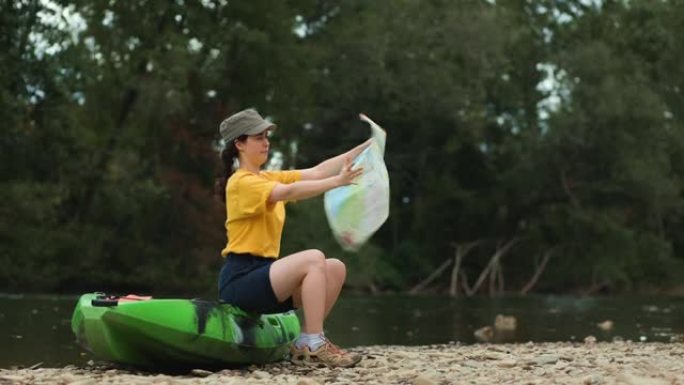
point(148, 332)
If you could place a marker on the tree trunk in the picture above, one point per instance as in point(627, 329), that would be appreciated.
point(96, 175)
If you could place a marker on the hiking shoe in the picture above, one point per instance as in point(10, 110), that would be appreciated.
point(327, 354)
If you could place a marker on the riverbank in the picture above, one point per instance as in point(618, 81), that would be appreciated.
point(530, 363)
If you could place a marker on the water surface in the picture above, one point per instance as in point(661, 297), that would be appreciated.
point(36, 329)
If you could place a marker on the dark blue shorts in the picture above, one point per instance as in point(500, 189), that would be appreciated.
point(245, 283)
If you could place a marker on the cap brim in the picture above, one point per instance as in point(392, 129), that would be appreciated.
point(261, 128)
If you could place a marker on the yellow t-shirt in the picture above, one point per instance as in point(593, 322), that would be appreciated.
point(253, 225)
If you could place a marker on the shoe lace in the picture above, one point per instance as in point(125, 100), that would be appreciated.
point(332, 348)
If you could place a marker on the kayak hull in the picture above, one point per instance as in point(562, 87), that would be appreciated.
point(180, 332)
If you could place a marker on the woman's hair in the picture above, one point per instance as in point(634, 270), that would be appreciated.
point(228, 156)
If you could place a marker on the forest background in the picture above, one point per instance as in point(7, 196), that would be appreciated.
point(533, 145)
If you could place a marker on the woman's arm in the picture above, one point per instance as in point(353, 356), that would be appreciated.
point(332, 166)
point(310, 188)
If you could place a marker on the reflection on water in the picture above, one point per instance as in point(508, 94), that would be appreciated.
point(37, 329)
point(433, 320)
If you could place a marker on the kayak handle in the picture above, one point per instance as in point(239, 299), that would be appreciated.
point(105, 300)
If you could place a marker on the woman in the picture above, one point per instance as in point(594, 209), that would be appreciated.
point(253, 277)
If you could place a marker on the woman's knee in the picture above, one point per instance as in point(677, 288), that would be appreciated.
point(315, 259)
point(336, 268)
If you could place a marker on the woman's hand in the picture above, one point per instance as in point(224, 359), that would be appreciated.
point(347, 174)
point(334, 166)
point(305, 189)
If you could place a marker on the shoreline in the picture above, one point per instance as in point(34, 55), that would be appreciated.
point(635, 363)
point(670, 291)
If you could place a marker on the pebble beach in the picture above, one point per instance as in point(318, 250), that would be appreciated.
point(631, 363)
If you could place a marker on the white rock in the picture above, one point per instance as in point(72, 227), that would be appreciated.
point(606, 325)
point(260, 374)
point(68, 378)
point(201, 373)
point(507, 363)
point(11, 378)
point(307, 381)
point(484, 334)
point(593, 379)
point(471, 364)
point(546, 359)
point(87, 381)
point(505, 323)
point(495, 356)
point(424, 380)
point(630, 379)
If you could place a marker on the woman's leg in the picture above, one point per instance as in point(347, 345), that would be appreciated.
point(314, 284)
point(336, 273)
point(303, 276)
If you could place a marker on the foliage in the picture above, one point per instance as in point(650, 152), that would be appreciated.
point(558, 123)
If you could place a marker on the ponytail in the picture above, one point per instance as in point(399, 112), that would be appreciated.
point(228, 156)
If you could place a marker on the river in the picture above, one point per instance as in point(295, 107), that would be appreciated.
point(36, 329)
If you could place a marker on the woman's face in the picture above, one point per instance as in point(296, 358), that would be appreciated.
point(255, 148)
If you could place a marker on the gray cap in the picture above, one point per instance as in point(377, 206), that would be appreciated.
point(245, 122)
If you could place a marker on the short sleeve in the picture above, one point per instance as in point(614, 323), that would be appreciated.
point(251, 195)
point(284, 177)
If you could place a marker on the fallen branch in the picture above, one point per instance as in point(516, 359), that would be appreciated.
point(500, 279)
point(596, 286)
point(419, 287)
point(492, 263)
point(537, 273)
point(464, 282)
point(492, 278)
point(461, 251)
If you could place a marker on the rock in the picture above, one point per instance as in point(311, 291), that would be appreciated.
point(630, 379)
point(507, 363)
point(539, 372)
point(471, 364)
point(494, 356)
point(503, 330)
point(505, 323)
point(87, 381)
point(606, 325)
point(307, 381)
point(201, 373)
point(589, 340)
point(484, 334)
point(424, 380)
point(161, 379)
point(260, 374)
point(652, 363)
point(68, 378)
point(593, 379)
point(546, 359)
point(109, 373)
point(677, 338)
